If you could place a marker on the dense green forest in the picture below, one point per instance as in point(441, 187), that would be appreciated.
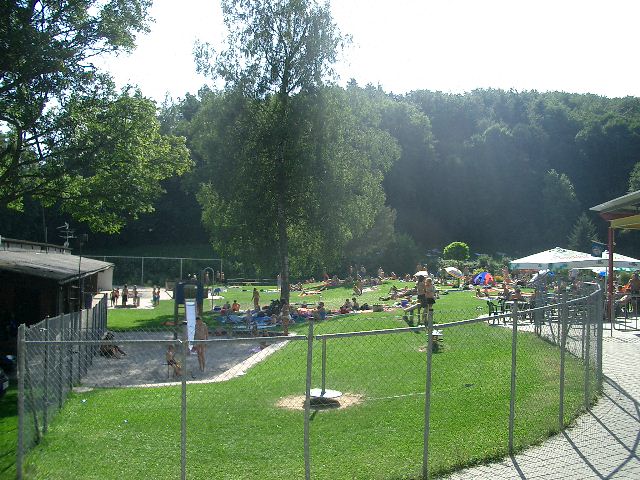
point(508, 172)
point(282, 171)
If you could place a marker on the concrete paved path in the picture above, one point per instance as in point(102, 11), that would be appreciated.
point(604, 442)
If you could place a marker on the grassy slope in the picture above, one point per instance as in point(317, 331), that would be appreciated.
point(235, 431)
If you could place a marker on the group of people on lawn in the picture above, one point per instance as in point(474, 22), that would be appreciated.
point(425, 289)
point(132, 294)
point(125, 296)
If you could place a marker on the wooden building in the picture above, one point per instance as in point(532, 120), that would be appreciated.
point(40, 280)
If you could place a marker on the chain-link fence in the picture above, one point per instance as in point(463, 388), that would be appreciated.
point(133, 270)
point(363, 396)
point(54, 355)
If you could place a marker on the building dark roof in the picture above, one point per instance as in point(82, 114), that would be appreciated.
point(60, 267)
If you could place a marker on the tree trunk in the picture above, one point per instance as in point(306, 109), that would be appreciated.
point(283, 238)
point(283, 250)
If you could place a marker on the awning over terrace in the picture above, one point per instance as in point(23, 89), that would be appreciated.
point(621, 213)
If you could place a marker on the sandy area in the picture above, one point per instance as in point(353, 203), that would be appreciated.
point(145, 363)
point(296, 402)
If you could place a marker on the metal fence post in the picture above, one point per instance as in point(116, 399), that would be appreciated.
point(87, 348)
point(587, 354)
point(324, 365)
point(75, 354)
point(72, 323)
point(307, 404)
point(183, 404)
point(514, 351)
point(92, 333)
point(599, 337)
point(427, 399)
point(583, 314)
point(103, 319)
point(61, 369)
point(21, 374)
point(564, 313)
point(45, 387)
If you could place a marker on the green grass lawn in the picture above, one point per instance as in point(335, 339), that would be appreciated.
point(236, 429)
point(8, 432)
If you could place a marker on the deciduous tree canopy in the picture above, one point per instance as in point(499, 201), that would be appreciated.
point(68, 137)
point(291, 173)
point(275, 51)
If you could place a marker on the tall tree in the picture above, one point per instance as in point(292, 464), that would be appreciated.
point(275, 49)
point(634, 178)
point(67, 135)
point(582, 233)
point(335, 201)
point(560, 207)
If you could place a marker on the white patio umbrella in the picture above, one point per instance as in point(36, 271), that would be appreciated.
point(454, 272)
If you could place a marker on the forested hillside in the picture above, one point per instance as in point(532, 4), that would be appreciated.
point(503, 171)
point(487, 179)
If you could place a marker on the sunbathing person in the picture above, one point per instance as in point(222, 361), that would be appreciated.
point(320, 312)
point(395, 293)
point(110, 350)
point(354, 304)
point(304, 293)
point(346, 306)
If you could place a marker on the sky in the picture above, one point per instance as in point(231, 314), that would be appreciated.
point(453, 46)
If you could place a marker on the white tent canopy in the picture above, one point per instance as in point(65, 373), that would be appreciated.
point(554, 259)
point(620, 262)
point(560, 258)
